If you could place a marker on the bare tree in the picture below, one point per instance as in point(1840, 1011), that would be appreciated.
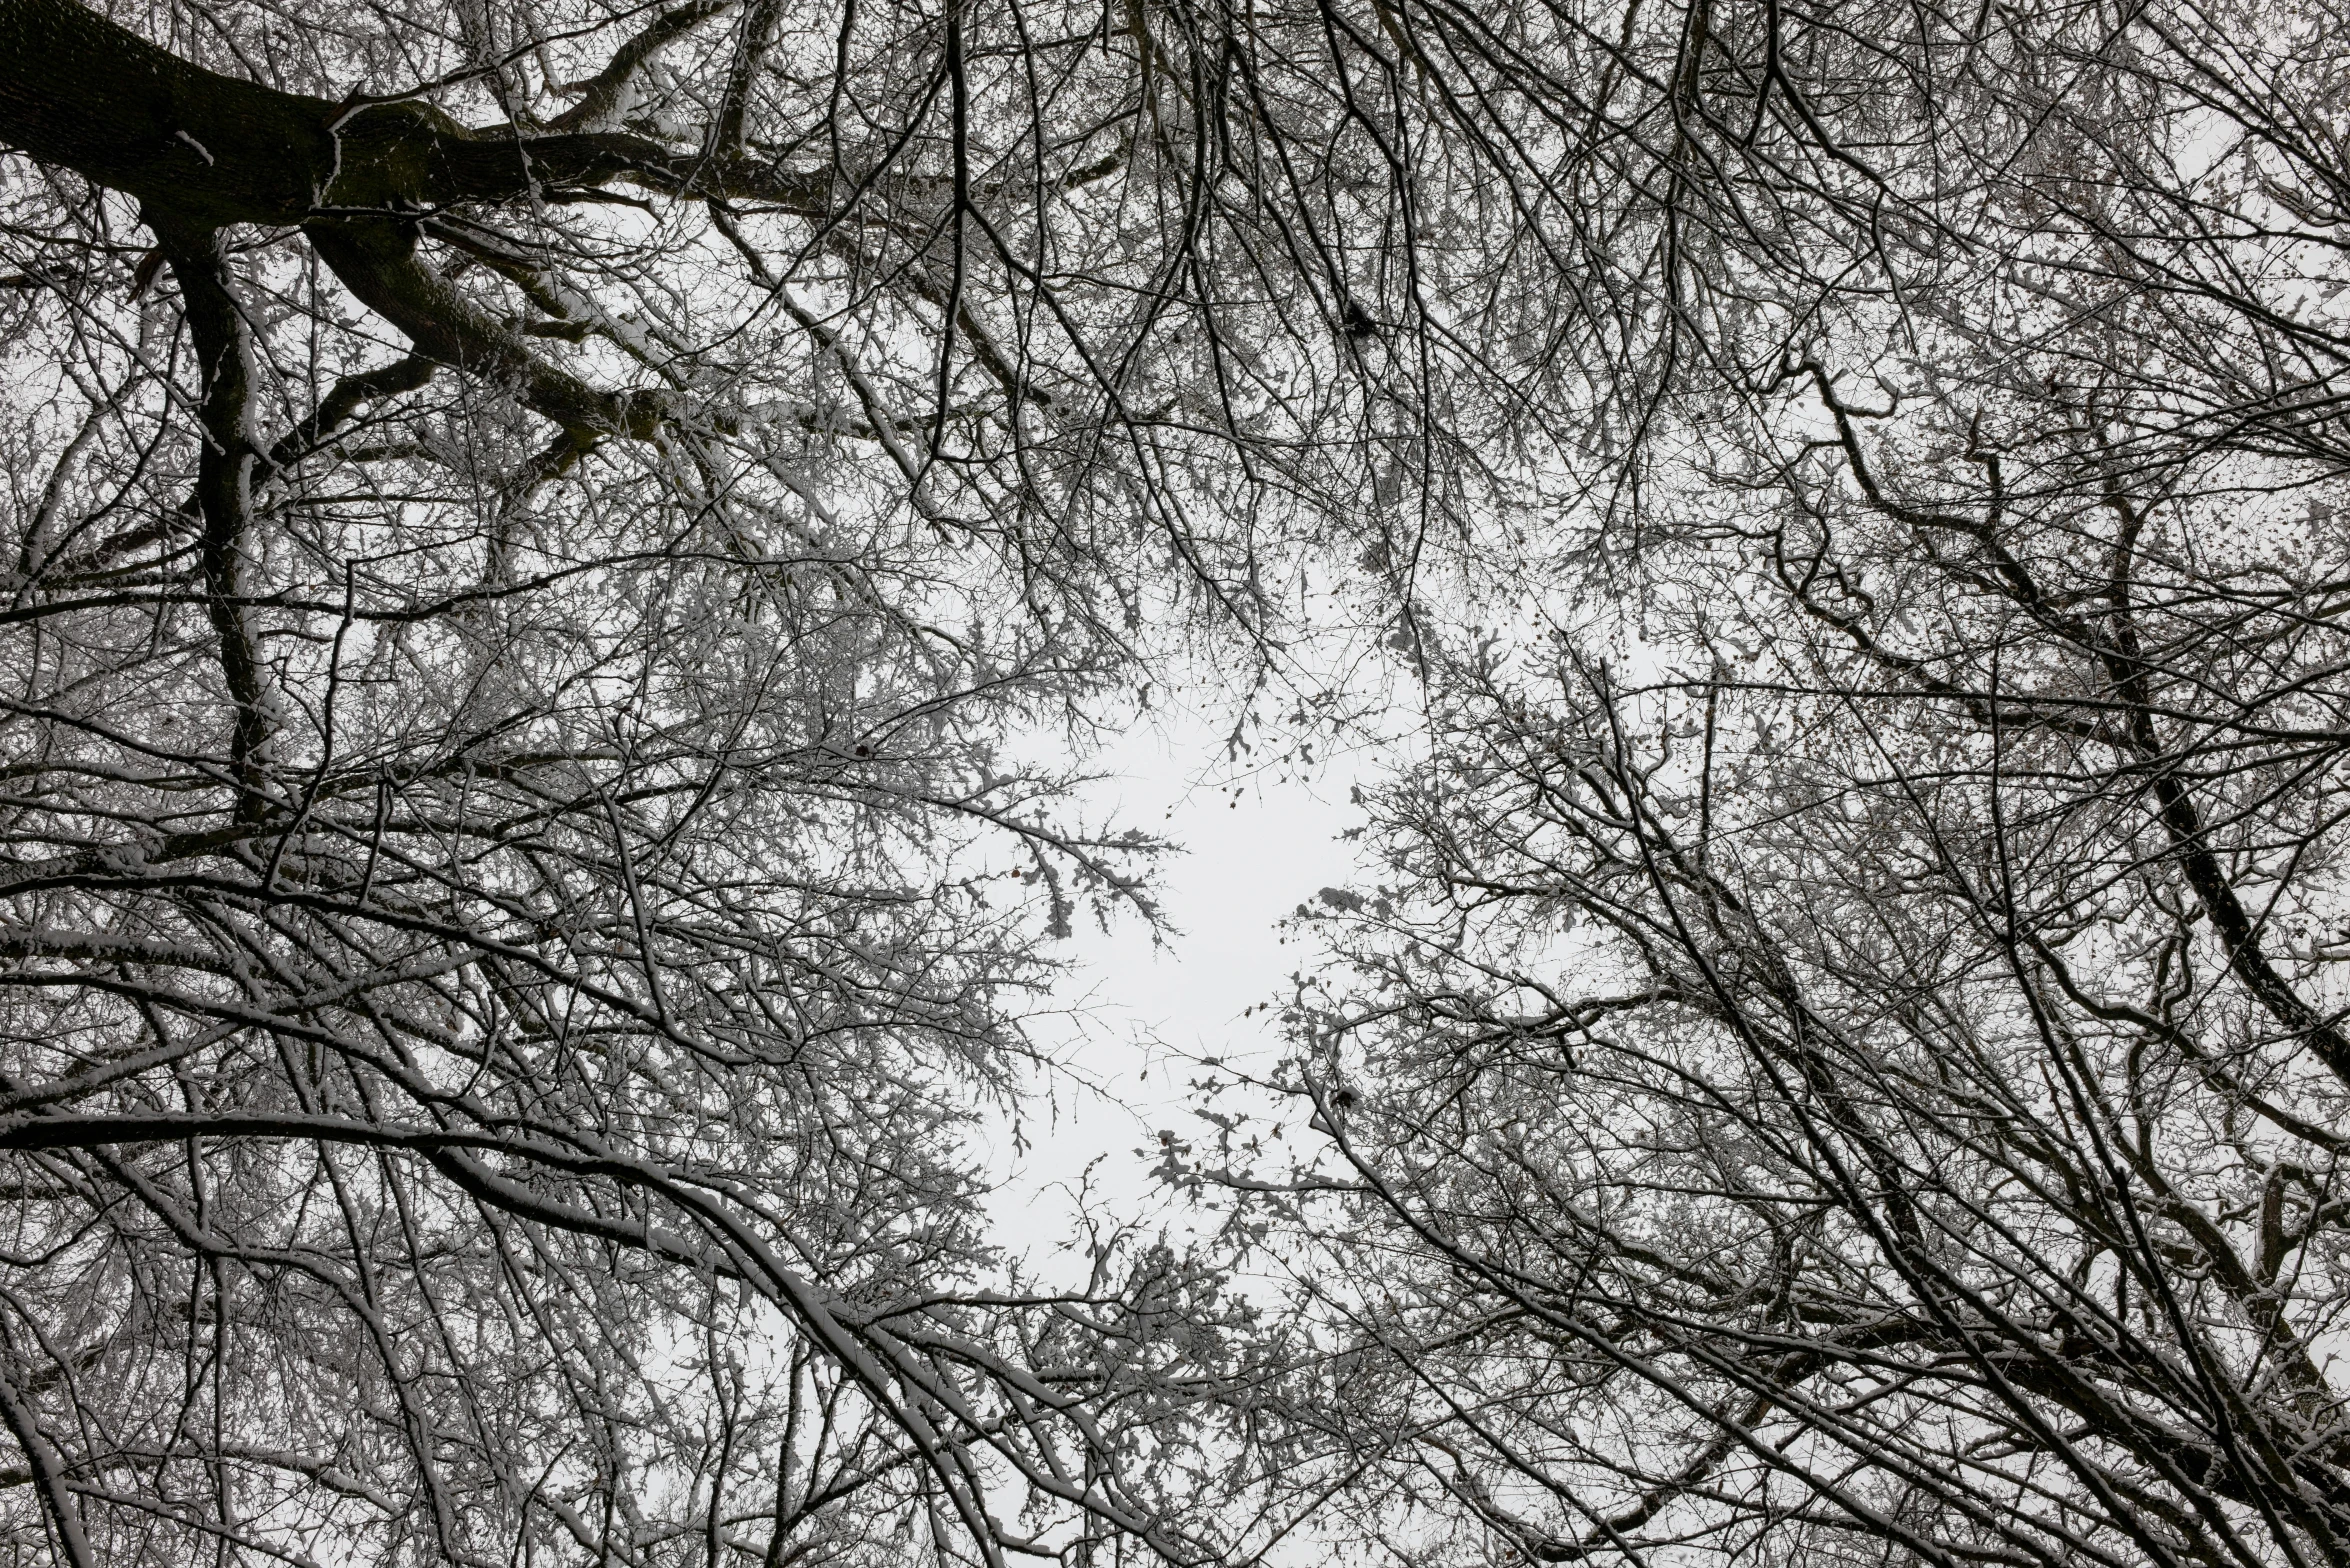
point(533, 537)
point(1844, 1056)
point(537, 530)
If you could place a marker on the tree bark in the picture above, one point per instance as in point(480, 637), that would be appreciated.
point(201, 151)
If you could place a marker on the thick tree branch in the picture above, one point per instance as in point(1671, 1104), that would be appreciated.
point(48, 1474)
point(607, 97)
point(376, 260)
point(224, 486)
point(726, 132)
point(201, 151)
point(81, 93)
point(342, 404)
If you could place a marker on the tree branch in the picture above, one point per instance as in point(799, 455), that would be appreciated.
point(376, 260)
point(224, 485)
point(611, 93)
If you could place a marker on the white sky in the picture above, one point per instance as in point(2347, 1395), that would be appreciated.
point(1256, 845)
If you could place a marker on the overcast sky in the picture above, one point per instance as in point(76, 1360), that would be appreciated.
point(1256, 845)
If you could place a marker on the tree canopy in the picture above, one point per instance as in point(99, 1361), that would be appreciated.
point(563, 560)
